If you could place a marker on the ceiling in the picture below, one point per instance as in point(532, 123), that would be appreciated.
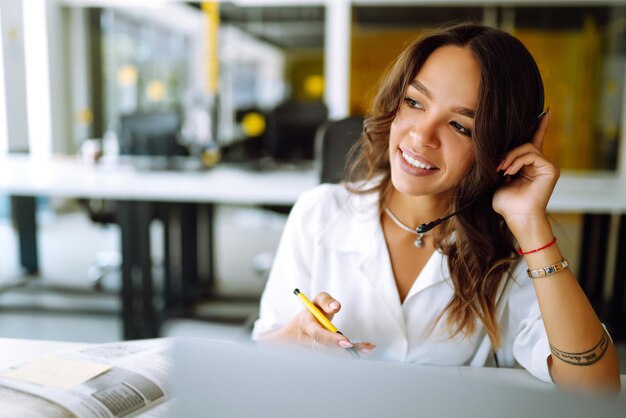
point(287, 27)
point(303, 27)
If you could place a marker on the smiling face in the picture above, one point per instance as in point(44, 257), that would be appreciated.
point(430, 140)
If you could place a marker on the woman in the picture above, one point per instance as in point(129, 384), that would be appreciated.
point(449, 131)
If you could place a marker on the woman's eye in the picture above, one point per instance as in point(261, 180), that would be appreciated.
point(413, 103)
point(461, 129)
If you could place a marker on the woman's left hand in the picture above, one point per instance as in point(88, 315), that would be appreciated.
point(530, 180)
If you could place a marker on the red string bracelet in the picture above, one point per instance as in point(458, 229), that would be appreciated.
point(520, 252)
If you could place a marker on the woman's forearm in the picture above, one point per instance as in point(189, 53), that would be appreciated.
point(583, 356)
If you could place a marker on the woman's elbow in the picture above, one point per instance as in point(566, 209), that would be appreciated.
point(603, 376)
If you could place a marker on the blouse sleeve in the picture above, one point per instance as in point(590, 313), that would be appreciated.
point(291, 268)
point(530, 344)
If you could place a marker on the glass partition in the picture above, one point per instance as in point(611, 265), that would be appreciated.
point(145, 66)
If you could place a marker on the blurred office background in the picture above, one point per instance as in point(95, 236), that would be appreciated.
point(251, 81)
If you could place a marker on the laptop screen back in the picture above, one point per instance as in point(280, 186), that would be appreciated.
point(225, 379)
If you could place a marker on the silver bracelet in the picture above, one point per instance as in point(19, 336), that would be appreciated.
point(549, 270)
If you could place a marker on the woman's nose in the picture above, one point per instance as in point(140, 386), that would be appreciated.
point(424, 133)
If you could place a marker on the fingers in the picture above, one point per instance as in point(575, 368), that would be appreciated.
point(323, 339)
point(540, 133)
point(316, 332)
point(527, 156)
point(328, 305)
point(516, 153)
point(315, 336)
point(524, 160)
point(535, 145)
point(365, 348)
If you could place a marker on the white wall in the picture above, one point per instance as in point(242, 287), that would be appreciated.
point(15, 110)
point(37, 78)
point(4, 142)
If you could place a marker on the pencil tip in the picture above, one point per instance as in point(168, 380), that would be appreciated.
point(296, 291)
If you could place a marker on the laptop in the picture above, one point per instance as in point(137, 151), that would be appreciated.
point(226, 379)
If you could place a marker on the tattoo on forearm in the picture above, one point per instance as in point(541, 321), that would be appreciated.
point(586, 358)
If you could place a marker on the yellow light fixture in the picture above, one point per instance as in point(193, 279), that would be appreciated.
point(127, 75)
point(84, 116)
point(210, 157)
point(314, 86)
point(253, 124)
point(156, 90)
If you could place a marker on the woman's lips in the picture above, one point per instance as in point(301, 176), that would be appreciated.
point(414, 165)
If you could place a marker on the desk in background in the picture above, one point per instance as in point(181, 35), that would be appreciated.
point(178, 195)
point(141, 196)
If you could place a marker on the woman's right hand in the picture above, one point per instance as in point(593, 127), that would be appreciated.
point(307, 332)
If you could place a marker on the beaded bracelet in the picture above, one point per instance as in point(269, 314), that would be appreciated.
point(549, 270)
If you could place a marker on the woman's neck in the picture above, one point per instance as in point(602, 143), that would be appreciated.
point(416, 210)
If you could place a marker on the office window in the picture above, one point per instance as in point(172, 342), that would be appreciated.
point(145, 66)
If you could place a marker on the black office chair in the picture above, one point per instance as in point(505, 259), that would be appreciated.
point(292, 127)
point(333, 142)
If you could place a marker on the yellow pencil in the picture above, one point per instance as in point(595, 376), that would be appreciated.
point(321, 318)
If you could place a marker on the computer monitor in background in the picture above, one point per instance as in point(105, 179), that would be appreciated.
point(291, 129)
point(151, 134)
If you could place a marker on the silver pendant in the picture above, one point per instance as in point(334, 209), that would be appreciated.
point(419, 242)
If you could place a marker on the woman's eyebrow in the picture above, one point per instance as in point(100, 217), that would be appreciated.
point(421, 88)
point(470, 113)
point(464, 111)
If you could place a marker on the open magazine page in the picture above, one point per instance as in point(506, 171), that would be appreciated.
point(135, 383)
point(162, 410)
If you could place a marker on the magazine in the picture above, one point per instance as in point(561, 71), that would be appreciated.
point(131, 380)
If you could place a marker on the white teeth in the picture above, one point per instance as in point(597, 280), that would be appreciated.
point(415, 163)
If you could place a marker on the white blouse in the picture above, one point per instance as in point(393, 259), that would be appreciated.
point(333, 242)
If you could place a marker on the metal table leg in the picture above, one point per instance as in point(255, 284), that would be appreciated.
point(142, 311)
point(189, 253)
point(24, 216)
point(138, 306)
point(189, 256)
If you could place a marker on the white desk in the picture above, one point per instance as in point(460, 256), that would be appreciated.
point(228, 184)
point(589, 193)
point(141, 194)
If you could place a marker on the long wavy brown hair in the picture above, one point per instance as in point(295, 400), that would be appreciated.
point(510, 99)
